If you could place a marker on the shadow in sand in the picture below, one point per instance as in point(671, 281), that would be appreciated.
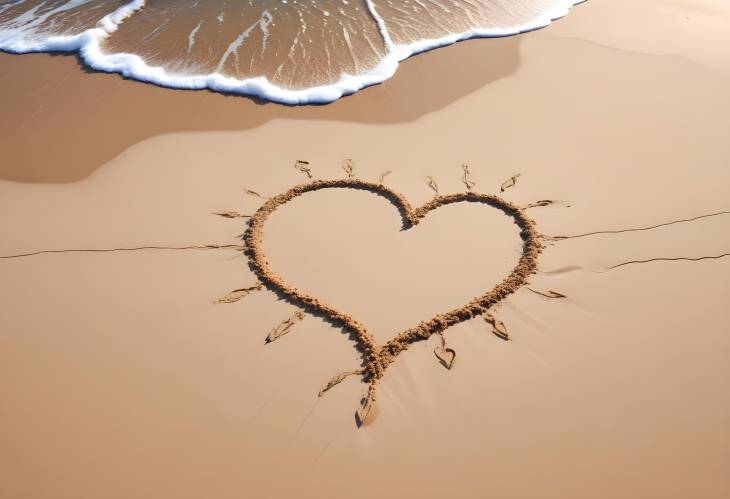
point(82, 119)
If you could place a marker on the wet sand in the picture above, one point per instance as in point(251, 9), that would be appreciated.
point(87, 118)
point(122, 378)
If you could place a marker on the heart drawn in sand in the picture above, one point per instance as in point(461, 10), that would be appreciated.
point(376, 358)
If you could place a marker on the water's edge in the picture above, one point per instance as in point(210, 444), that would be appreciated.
point(88, 45)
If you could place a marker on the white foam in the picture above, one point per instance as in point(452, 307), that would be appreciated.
point(88, 44)
point(8, 5)
point(191, 36)
point(23, 40)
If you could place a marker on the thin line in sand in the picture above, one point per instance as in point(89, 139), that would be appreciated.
point(237, 247)
point(575, 268)
point(676, 259)
point(547, 294)
point(651, 227)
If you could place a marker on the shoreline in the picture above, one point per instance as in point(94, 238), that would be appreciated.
point(86, 46)
point(140, 372)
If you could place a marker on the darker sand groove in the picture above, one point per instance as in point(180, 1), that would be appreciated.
point(337, 379)
point(677, 259)
point(254, 194)
point(466, 178)
point(510, 182)
point(445, 355)
point(349, 167)
point(431, 182)
point(559, 238)
point(382, 176)
point(303, 166)
point(539, 204)
point(547, 294)
point(376, 358)
point(237, 247)
point(284, 327)
point(575, 268)
point(498, 328)
point(239, 294)
point(230, 214)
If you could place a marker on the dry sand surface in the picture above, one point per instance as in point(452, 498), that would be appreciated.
point(120, 377)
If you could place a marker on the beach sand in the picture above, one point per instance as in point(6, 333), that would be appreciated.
point(121, 377)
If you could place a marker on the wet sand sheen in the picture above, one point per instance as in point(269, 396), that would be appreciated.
point(106, 117)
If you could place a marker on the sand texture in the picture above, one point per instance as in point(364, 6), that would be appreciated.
point(523, 243)
point(377, 358)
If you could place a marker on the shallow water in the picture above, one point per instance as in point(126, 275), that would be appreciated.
point(289, 51)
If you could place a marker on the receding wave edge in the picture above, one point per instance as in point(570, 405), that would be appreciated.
point(88, 45)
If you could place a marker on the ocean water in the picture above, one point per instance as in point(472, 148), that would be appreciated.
point(289, 51)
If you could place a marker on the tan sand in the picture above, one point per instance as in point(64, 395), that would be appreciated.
point(121, 376)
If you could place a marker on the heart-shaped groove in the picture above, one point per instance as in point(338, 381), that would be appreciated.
point(376, 358)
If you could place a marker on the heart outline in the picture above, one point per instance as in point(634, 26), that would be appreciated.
point(376, 358)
